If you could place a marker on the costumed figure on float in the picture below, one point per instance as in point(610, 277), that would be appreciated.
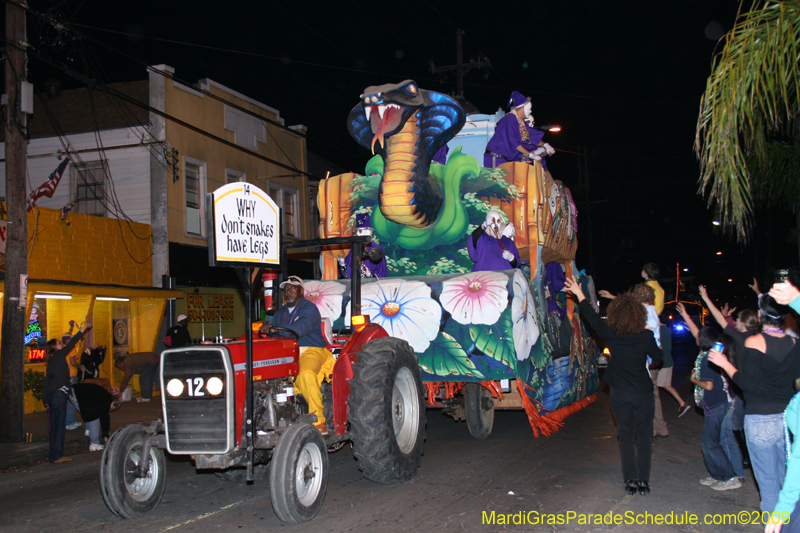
point(515, 137)
point(491, 245)
point(373, 264)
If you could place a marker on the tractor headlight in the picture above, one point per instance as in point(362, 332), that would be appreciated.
point(214, 386)
point(175, 387)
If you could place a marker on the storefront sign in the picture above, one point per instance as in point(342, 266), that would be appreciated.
point(210, 307)
point(245, 226)
point(34, 330)
point(36, 354)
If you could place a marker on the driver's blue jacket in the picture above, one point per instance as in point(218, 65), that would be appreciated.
point(304, 320)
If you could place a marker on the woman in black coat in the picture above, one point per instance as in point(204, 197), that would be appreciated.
point(632, 398)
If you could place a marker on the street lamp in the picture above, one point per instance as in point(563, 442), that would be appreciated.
point(549, 127)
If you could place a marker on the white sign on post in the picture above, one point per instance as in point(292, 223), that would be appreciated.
point(23, 290)
point(246, 226)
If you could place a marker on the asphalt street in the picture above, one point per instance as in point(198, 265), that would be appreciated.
point(460, 483)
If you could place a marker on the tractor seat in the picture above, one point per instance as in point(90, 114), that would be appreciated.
point(327, 333)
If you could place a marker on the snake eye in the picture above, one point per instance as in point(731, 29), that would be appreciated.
point(366, 100)
point(412, 89)
point(374, 99)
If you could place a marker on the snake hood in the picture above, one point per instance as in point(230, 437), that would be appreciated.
point(408, 125)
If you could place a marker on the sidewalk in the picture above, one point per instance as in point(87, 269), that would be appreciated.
point(37, 451)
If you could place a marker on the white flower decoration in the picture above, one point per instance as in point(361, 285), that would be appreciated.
point(404, 309)
point(475, 298)
point(523, 313)
point(327, 296)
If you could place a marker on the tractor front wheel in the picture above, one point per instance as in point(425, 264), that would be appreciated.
point(298, 474)
point(126, 493)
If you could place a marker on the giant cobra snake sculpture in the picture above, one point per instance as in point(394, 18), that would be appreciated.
point(406, 125)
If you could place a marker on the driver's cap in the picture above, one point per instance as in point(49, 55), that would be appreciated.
point(293, 280)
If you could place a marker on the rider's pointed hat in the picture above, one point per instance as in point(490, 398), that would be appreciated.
point(517, 100)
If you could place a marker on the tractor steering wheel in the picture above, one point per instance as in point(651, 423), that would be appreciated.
point(280, 331)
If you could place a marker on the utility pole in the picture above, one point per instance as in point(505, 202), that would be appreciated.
point(461, 69)
point(12, 394)
point(583, 186)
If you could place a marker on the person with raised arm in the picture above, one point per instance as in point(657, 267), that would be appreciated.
point(767, 377)
point(693, 329)
point(631, 388)
point(56, 390)
point(787, 294)
point(745, 325)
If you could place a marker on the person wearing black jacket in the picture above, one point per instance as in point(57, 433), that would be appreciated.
point(632, 398)
point(767, 375)
point(95, 402)
point(56, 390)
point(179, 333)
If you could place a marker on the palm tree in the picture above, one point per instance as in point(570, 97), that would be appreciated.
point(748, 139)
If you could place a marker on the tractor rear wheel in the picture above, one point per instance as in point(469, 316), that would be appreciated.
point(387, 411)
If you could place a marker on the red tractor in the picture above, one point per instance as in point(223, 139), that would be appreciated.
point(375, 400)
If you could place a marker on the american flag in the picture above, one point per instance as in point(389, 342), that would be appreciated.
point(48, 187)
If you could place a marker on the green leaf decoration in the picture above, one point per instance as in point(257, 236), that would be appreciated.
point(445, 357)
point(374, 166)
point(496, 341)
point(401, 267)
point(364, 188)
point(539, 357)
point(446, 266)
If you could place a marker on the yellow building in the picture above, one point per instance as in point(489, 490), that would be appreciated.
point(88, 266)
point(149, 151)
point(232, 138)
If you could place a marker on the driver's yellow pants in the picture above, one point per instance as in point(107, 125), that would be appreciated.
point(315, 364)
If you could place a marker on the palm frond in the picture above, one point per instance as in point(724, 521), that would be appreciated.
point(750, 97)
point(776, 184)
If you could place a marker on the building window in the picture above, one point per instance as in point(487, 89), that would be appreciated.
point(195, 192)
point(88, 188)
point(248, 130)
point(232, 176)
point(288, 199)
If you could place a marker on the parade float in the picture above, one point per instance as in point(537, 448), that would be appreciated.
point(485, 340)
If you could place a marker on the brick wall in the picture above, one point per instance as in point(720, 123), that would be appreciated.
point(90, 250)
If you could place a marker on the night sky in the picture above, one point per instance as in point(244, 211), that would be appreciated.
point(622, 78)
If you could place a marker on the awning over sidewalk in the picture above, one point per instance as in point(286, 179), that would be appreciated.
point(118, 291)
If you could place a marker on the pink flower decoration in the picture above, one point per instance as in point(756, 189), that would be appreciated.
point(475, 298)
point(327, 296)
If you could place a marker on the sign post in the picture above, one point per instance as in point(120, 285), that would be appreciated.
point(243, 233)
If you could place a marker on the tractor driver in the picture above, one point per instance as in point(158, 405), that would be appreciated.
point(316, 362)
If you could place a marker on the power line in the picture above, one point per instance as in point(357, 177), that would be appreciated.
point(174, 78)
point(530, 90)
point(116, 208)
point(92, 84)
